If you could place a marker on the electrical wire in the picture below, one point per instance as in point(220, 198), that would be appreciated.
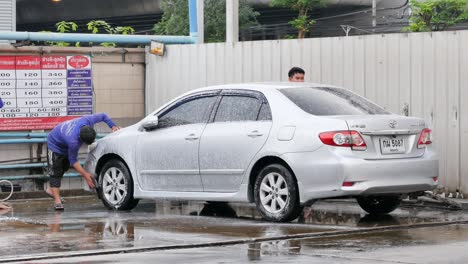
point(363, 11)
point(285, 28)
point(342, 15)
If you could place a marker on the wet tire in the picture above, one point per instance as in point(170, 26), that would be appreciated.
point(276, 194)
point(377, 205)
point(116, 186)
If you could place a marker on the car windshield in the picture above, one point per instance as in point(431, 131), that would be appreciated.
point(324, 101)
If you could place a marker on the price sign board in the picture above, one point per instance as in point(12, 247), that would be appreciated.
point(41, 91)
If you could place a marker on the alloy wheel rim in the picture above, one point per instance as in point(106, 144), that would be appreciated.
point(274, 193)
point(114, 186)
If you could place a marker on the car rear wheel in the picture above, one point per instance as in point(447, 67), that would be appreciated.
point(276, 194)
point(377, 205)
point(116, 189)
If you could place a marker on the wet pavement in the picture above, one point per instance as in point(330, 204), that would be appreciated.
point(220, 233)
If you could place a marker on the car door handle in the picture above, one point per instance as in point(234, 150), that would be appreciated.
point(191, 137)
point(255, 134)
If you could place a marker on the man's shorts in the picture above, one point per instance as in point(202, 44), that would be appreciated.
point(57, 165)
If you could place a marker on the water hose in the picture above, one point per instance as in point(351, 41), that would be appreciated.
point(11, 190)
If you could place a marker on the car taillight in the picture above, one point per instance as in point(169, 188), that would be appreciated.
point(425, 138)
point(351, 139)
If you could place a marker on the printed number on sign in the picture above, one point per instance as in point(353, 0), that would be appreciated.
point(5, 93)
point(55, 92)
point(55, 102)
point(55, 83)
point(16, 110)
point(5, 74)
point(55, 74)
point(31, 74)
point(5, 83)
point(31, 84)
point(31, 93)
point(53, 114)
point(8, 115)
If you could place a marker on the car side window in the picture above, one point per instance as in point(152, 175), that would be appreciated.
point(265, 112)
point(189, 112)
point(237, 108)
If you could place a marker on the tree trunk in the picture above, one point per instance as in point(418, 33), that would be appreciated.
point(301, 34)
point(302, 31)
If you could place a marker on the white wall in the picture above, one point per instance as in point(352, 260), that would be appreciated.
point(7, 15)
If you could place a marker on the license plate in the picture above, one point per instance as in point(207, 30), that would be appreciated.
point(392, 145)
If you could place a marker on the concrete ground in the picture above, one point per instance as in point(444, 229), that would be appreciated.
point(334, 231)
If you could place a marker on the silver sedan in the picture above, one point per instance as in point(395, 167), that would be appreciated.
point(280, 146)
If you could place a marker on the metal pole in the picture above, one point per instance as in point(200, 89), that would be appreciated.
point(36, 176)
point(232, 21)
point(374, 13)
point(81, 37)
point(201, 21)
point(192, 4)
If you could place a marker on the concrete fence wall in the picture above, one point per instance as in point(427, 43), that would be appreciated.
point(424, 74)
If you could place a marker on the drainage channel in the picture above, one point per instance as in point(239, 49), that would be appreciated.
point(229, 242)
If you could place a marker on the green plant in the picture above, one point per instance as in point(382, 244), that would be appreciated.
point(288, 36)
point(95, 26)
point(124, 30)
point(436, 15)
point(303, 22)
point(47, 43)
point(65, 27)
point(108, 44)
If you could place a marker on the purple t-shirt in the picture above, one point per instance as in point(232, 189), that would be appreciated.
point(1, 103)
point(64, 139)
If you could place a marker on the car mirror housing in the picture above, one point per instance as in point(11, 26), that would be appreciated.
point(150, 124)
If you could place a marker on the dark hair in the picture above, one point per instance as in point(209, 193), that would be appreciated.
point(87, 135)
point(295, 70)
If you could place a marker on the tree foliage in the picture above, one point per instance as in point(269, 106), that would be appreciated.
point(303, 22)
point(65, 27)
point(436, 15)
point(94, 26)
point(175, 20)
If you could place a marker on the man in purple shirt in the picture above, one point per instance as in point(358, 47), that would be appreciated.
point(1, 103)
point(64, 142)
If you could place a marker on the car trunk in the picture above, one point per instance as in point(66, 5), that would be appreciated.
point(387, 136)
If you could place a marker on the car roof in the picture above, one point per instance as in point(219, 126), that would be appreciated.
point(263, 86)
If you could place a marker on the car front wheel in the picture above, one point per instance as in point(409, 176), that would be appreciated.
point(276, 194)
point(377, 205)
point(116, 189)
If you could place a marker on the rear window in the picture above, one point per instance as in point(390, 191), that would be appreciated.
point(323, 101)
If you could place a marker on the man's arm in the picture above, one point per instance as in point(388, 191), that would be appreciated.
point(73, 157)
point(87, 176)
point(103, 117)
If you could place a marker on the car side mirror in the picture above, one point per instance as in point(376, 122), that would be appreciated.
point(150, 124)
